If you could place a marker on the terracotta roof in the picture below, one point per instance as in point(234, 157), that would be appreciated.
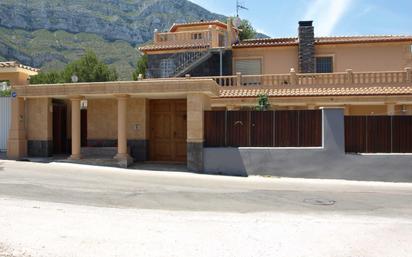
point(15, 64)
point(317, 91)
point(215, 22)
point(266, 42)
point(173, 46)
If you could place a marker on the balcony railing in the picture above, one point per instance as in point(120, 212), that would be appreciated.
point(212, 38)
point(304, 79)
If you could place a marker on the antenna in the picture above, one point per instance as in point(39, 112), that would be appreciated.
point(240, 6)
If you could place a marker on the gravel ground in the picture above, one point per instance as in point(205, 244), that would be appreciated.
point(41, 229)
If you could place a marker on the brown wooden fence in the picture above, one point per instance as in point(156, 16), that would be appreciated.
point(378, 134)
point(263, 129)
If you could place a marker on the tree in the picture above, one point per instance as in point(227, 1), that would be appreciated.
point(88, 69)
point(141, 67)
point(246, 30)
point(263, 102)
point(4, 93)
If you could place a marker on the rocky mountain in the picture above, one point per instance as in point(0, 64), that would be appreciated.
point(50, 33)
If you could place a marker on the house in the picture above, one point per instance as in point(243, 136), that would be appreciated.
point(329, 99)
point(11, 73)
point(193, 49)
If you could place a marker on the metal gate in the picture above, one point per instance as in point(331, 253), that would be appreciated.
point(5, 120)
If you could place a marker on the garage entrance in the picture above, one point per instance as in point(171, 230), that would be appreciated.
point(168, 131)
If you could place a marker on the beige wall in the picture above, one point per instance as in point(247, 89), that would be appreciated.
point(359, 57)
point(102, 119)
point(39, 119)
point(15, 78)
point(275, 60)
point(368, 57)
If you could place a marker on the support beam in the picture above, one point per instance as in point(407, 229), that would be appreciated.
point(122, 154)
point(76, 128)
point(17, 143)
point(196, 105)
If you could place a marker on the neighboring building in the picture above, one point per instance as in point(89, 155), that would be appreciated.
point(11, 73)
point(205, 119)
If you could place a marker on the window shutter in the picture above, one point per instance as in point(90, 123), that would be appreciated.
point(249, 67)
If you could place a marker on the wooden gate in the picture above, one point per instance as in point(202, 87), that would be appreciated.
point(263, 129)
point(168, 131)
point(378, 134)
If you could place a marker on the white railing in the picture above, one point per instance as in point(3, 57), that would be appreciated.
point(293, 79)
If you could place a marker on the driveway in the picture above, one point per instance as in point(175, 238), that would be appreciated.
point(61, 209)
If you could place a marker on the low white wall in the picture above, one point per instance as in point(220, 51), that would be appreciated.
point(327, 162)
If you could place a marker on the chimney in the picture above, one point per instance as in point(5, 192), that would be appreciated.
point(306, 47)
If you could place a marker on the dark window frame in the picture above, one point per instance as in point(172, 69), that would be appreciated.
point(323, 67)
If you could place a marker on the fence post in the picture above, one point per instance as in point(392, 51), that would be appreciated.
point(408, 77)
point(238, 79)
point(293, 77)
point(349, 76)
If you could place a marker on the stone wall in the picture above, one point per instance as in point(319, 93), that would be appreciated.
point(306, 47)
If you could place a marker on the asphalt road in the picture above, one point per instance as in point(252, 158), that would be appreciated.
point(156, 190)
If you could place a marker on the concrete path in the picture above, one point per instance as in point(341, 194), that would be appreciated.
point(64, 210)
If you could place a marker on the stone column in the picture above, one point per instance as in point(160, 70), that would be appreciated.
point(76, 128)
point(196, 105)
point(122, 154)
point(17, 142)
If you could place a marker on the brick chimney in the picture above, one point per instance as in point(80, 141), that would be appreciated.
point(306, 47)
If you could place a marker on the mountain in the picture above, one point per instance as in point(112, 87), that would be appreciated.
point(50, 33)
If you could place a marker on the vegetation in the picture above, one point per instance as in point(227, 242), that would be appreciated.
point(6, 92)
point(246, 30)
point(88, 69)
point(141, 67)
point(52, 51)
point(263, 102)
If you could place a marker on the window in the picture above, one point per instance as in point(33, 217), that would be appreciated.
point(324, 64)
point(249, 67)
point(167, 68)
point(196, 36)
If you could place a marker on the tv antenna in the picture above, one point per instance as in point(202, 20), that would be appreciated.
point(240, 6)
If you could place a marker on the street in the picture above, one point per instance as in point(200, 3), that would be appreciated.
point(61, 209)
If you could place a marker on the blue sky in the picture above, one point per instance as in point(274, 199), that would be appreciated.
point(332, 17)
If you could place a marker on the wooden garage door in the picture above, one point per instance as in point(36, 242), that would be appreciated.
point(168, 130)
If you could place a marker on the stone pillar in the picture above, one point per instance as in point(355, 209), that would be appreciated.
point(122, 154)
point(17, 142)
point(76, 128)
point(196, 105)
point(391, 109)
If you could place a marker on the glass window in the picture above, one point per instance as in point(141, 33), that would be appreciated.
point(324, 64)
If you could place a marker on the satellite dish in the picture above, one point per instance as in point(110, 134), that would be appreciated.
point(237, 21)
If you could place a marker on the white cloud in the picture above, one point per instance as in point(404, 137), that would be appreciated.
point(327, 14)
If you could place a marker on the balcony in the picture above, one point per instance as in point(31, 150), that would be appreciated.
point(315, 79)
point(199, 38)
